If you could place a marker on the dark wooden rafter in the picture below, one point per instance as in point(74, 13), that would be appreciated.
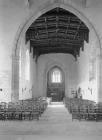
point(55, 48)
point(68, 24)
point(81, 35)
point(57, 31)
point(46, 26)
point(78, 27)
point(48, 41)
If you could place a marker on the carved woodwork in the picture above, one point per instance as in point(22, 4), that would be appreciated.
point(57, 31)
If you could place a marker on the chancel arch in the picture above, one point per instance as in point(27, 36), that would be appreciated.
point(76, 53)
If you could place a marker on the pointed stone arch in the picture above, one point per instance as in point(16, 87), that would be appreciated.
point(49, 70)
point(48, 67)
point(25, 25)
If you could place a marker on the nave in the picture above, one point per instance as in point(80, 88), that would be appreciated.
point(55, 123)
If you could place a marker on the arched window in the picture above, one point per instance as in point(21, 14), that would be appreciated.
point(56, 76)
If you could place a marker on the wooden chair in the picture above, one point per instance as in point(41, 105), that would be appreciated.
point(3, 108)
point(75, 113)
point(99, 112)
point(92, 112)
point(83, 112)
point(10, 112)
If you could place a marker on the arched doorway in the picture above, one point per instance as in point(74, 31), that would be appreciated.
point(55, 84)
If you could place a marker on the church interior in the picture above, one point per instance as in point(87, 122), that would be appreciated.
point(50, 69)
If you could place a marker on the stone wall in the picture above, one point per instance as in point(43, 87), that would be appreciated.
point(14, 14)
point(27, 71)
point(66, 62)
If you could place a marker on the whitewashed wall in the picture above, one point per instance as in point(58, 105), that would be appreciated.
point(13, 14)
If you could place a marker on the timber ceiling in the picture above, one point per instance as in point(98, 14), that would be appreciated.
point(57, 31)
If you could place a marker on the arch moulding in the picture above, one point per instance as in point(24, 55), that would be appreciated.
point(25, 25)
point(43, 9)
point(48, 67)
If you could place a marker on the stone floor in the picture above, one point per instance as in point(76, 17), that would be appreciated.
point(55, 123)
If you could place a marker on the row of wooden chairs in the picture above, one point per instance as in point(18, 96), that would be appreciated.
point(23, 110)
point(84, 109)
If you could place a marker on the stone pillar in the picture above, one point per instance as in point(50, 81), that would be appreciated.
point(99, 78)
point(37, 80)
point(35, 86)
point(15, 79)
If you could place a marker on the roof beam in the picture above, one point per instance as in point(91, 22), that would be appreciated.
point(77, 29)
point(53, 24)
point(60, 41)
point(57, 31)
point(56, 46)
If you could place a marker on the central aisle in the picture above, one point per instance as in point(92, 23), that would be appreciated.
point(55, 123)
point(56, 115)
